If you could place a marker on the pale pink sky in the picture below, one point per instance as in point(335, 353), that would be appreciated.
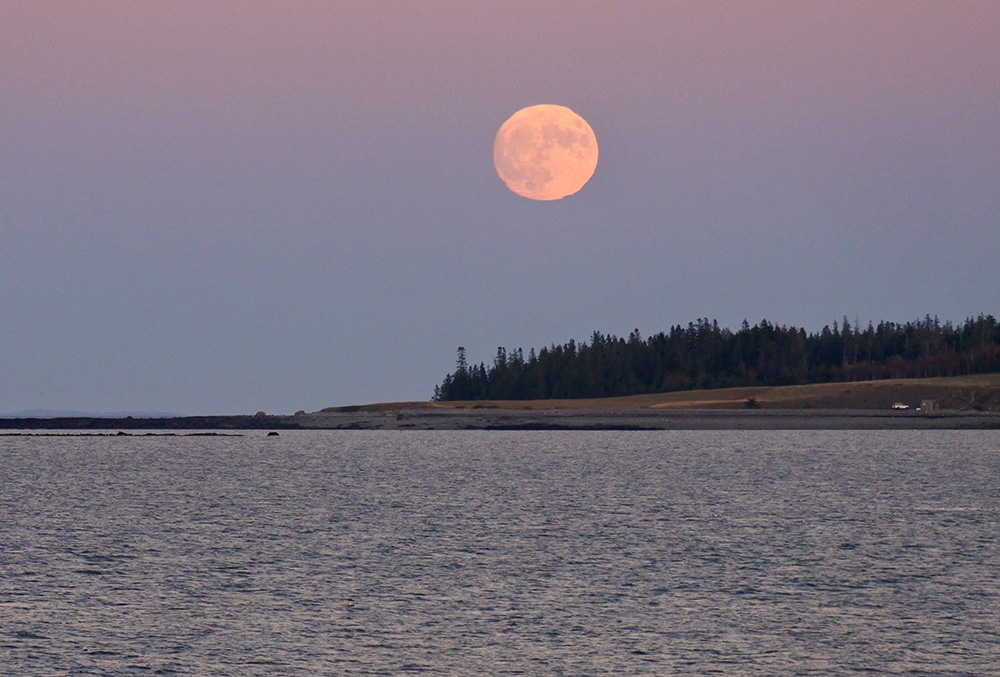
point(232, 206)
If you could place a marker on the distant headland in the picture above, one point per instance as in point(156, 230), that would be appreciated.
point(704, 355)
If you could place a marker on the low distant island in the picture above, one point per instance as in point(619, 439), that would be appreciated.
point(919, 375)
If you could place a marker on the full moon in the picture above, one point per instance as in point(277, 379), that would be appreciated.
point(545, 152)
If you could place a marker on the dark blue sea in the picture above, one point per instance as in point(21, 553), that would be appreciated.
point(502, 553)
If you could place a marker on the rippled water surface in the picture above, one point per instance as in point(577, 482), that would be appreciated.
point(535, 553)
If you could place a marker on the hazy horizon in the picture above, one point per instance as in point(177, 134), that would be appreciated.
point(229, 207)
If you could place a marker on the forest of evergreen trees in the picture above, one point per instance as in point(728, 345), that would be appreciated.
point(704, 355)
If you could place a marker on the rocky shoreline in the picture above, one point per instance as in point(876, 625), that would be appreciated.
point(557, 419)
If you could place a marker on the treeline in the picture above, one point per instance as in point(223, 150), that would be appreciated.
point(704, 355)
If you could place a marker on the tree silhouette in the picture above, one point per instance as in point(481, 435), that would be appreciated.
point(703, 355)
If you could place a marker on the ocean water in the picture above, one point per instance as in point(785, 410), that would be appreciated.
point(507, 553)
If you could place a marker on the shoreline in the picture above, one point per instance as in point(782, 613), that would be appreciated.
point(419, 418)
point(652, 419)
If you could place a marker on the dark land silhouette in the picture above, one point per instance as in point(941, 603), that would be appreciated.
point(703, 355)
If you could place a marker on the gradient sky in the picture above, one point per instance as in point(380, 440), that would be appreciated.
point(224, 207)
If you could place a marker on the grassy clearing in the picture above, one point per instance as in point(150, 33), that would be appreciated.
point(968, 393)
